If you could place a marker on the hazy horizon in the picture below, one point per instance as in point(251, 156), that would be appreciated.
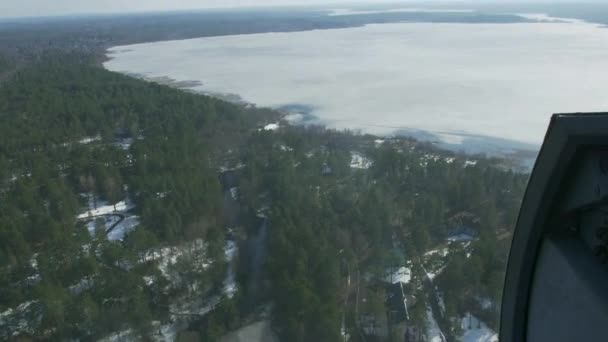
point(10, 9)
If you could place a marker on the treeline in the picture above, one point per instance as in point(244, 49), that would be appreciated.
point(70, 131)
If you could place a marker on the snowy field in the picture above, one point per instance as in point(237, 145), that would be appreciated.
point(455, 81)
point(475, 330)
point(117, 219)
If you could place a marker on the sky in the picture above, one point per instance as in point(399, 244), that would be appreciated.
point(27, 8)
point(21, 8)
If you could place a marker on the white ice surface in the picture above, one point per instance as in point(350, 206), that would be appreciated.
point(497, 80)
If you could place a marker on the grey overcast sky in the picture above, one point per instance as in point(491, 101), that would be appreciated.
point(19, 8)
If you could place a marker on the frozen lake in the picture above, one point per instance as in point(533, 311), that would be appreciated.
point(450, 81)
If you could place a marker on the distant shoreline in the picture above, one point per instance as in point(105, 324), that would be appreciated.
point(522, 155)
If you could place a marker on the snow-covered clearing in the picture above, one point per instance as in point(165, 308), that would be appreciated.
point(104, 208)
point(88, 140)
point(475, 330)
point(433, 333)
point(230, 251)
point(83, 285)
point(401, 275)
point(232, 168)
point(123, 228)
point(271, 127)
point(115, 217)
point(124, 335)
point(169, 256)
point(460, 237)
point(441, 251)
point(285, 148)
point(108, 221)
point(124, 144)
point(25, 318)
point(359, 161)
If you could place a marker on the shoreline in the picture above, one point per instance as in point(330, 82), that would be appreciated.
point(520, 155)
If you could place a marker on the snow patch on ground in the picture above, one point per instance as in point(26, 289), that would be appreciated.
point(440, 302)
point(168, 256)
point(232, 168)
point(230, 251)
point(401, 275)
point(88, 140)
point(124, 335)
point(123, 228)
point(104, 208)
point(81, 286)
point(460, 238)
point(115, 217)
point(358, 161)
point(433, 333)
point(441, 251)
point(285, 148)
point(271, 127)
point(475, 330)
point(234, 193)
point(432, 274)
point(124, 144)
point(108, 221)
point(25, 318)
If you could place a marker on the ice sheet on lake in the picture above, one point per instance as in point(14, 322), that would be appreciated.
point(343, 11)
point(492, 80)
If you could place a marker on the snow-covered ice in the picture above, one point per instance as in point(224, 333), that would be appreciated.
point(347, 12)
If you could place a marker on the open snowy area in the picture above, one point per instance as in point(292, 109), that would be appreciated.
point(450, 82)
point(475, 330)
